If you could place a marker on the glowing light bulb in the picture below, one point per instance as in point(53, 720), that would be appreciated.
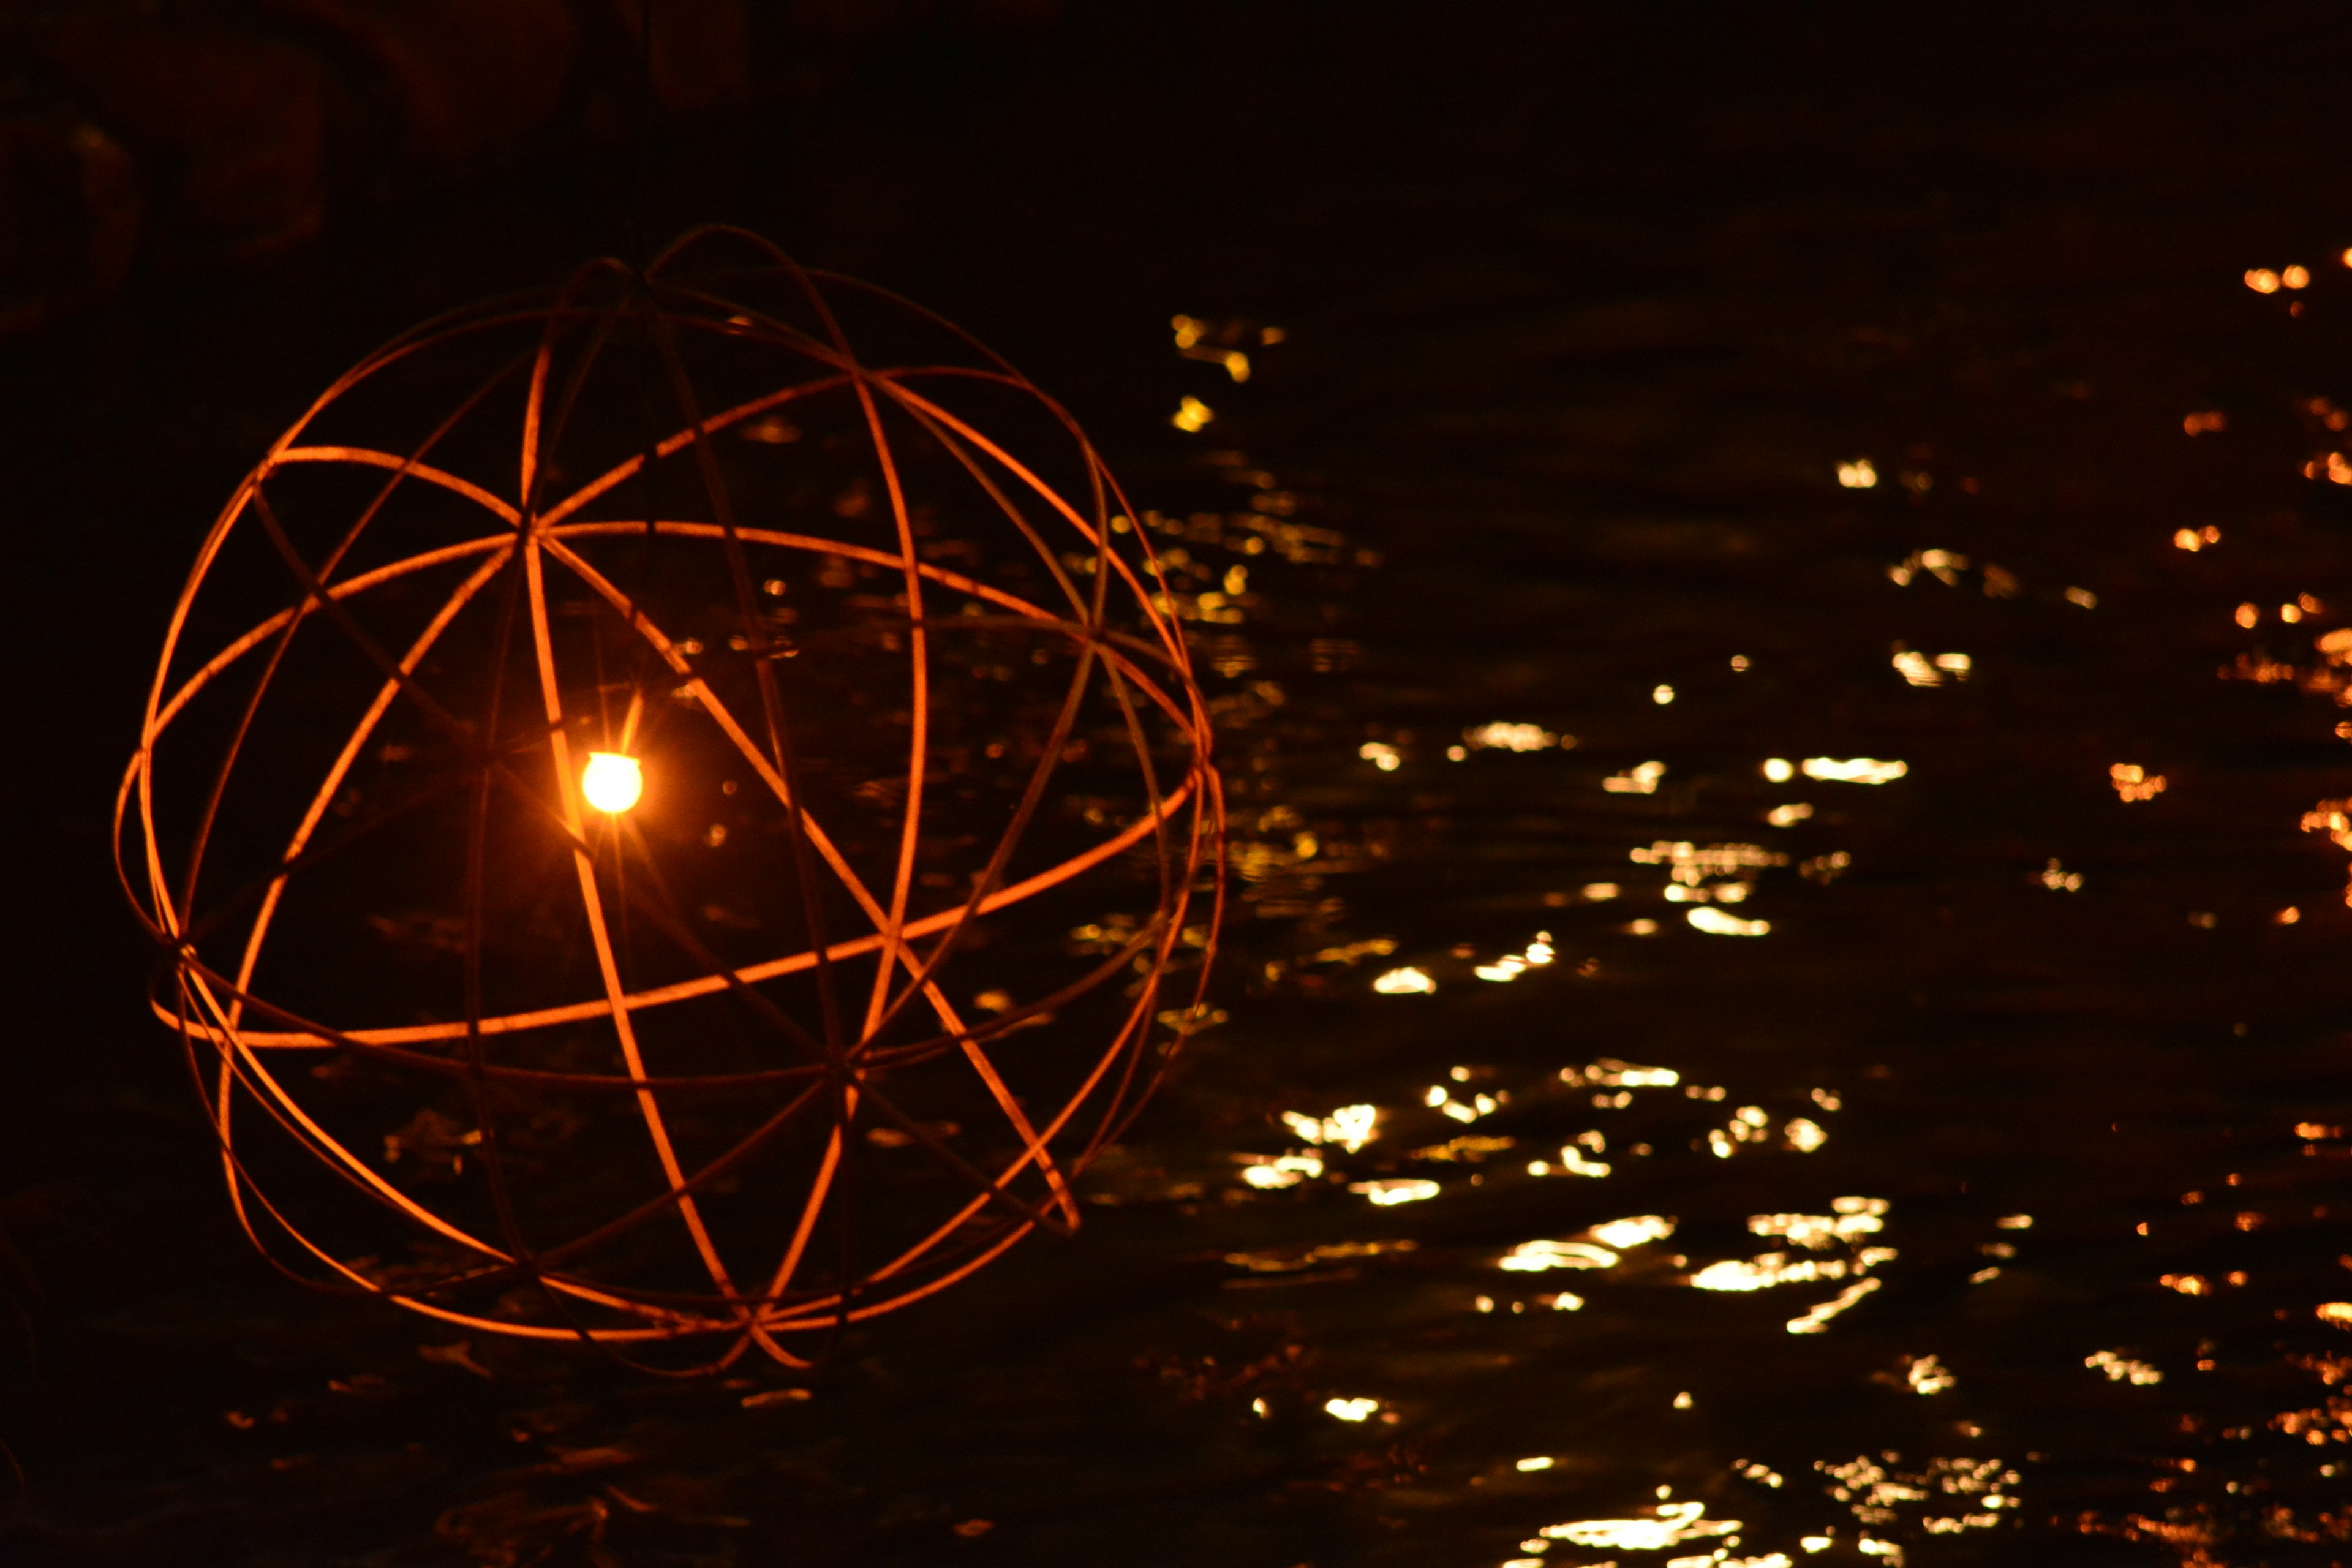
point(612, 782)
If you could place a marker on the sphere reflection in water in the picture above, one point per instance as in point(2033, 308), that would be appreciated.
point(924, 714)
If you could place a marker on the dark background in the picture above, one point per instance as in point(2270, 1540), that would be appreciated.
point(1583, 303)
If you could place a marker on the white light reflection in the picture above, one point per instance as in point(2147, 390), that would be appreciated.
point(1511, 965)
point(1926, 1374)
point(1715, 923)
point(2121, 1368)
point(1614, 1074)
point(1749, 1124)
point(1271, 1174)
point(1572, 1162)
point(1921, 670)
point(1537, 1257)
point(1642, 779)
point(1389, 1191)
point(1778, 1268)
point(1405, 982)
point(1674, 1524)
point(1480, 1105)
point(1854, 769)
point(1690, 864)
point(1352, 1409)
point(1818, 1320)
point(1501, 737)
point(1632, 1232)
point(1855, 1217)
point(1350, 1127)
point(1873, 1492)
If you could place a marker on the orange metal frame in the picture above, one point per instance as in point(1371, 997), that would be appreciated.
point(1116, 617)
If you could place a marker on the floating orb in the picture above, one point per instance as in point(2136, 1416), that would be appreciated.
point(920, 910)
point(612, 783)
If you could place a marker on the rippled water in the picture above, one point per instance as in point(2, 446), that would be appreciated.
point(1640, 1132)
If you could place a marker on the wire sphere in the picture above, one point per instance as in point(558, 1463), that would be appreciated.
point(611, 768)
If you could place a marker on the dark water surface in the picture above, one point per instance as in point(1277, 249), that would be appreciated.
point(2030, 1098)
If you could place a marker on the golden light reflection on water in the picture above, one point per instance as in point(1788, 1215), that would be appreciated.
point(1350, 1127)
point(2121, 1368)
point(2134, 783)
point(1827, 1267)
point(1639, 780)
point(1854, 769)
point(1508, 737)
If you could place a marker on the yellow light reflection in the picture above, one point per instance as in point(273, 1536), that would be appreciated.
point(1537, 1257)
point(613, 783)
point(1350, 1127)
point(1642, 779)
point(2121, 1369)
point(1385, 1192)
point(1818, 1320)
point(1675, 1523)
point(1634, 1231)
point(1926, 1374)
point(1509, 737)
point(2135, 783)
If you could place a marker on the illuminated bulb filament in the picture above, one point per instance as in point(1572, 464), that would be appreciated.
point(612, 782)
